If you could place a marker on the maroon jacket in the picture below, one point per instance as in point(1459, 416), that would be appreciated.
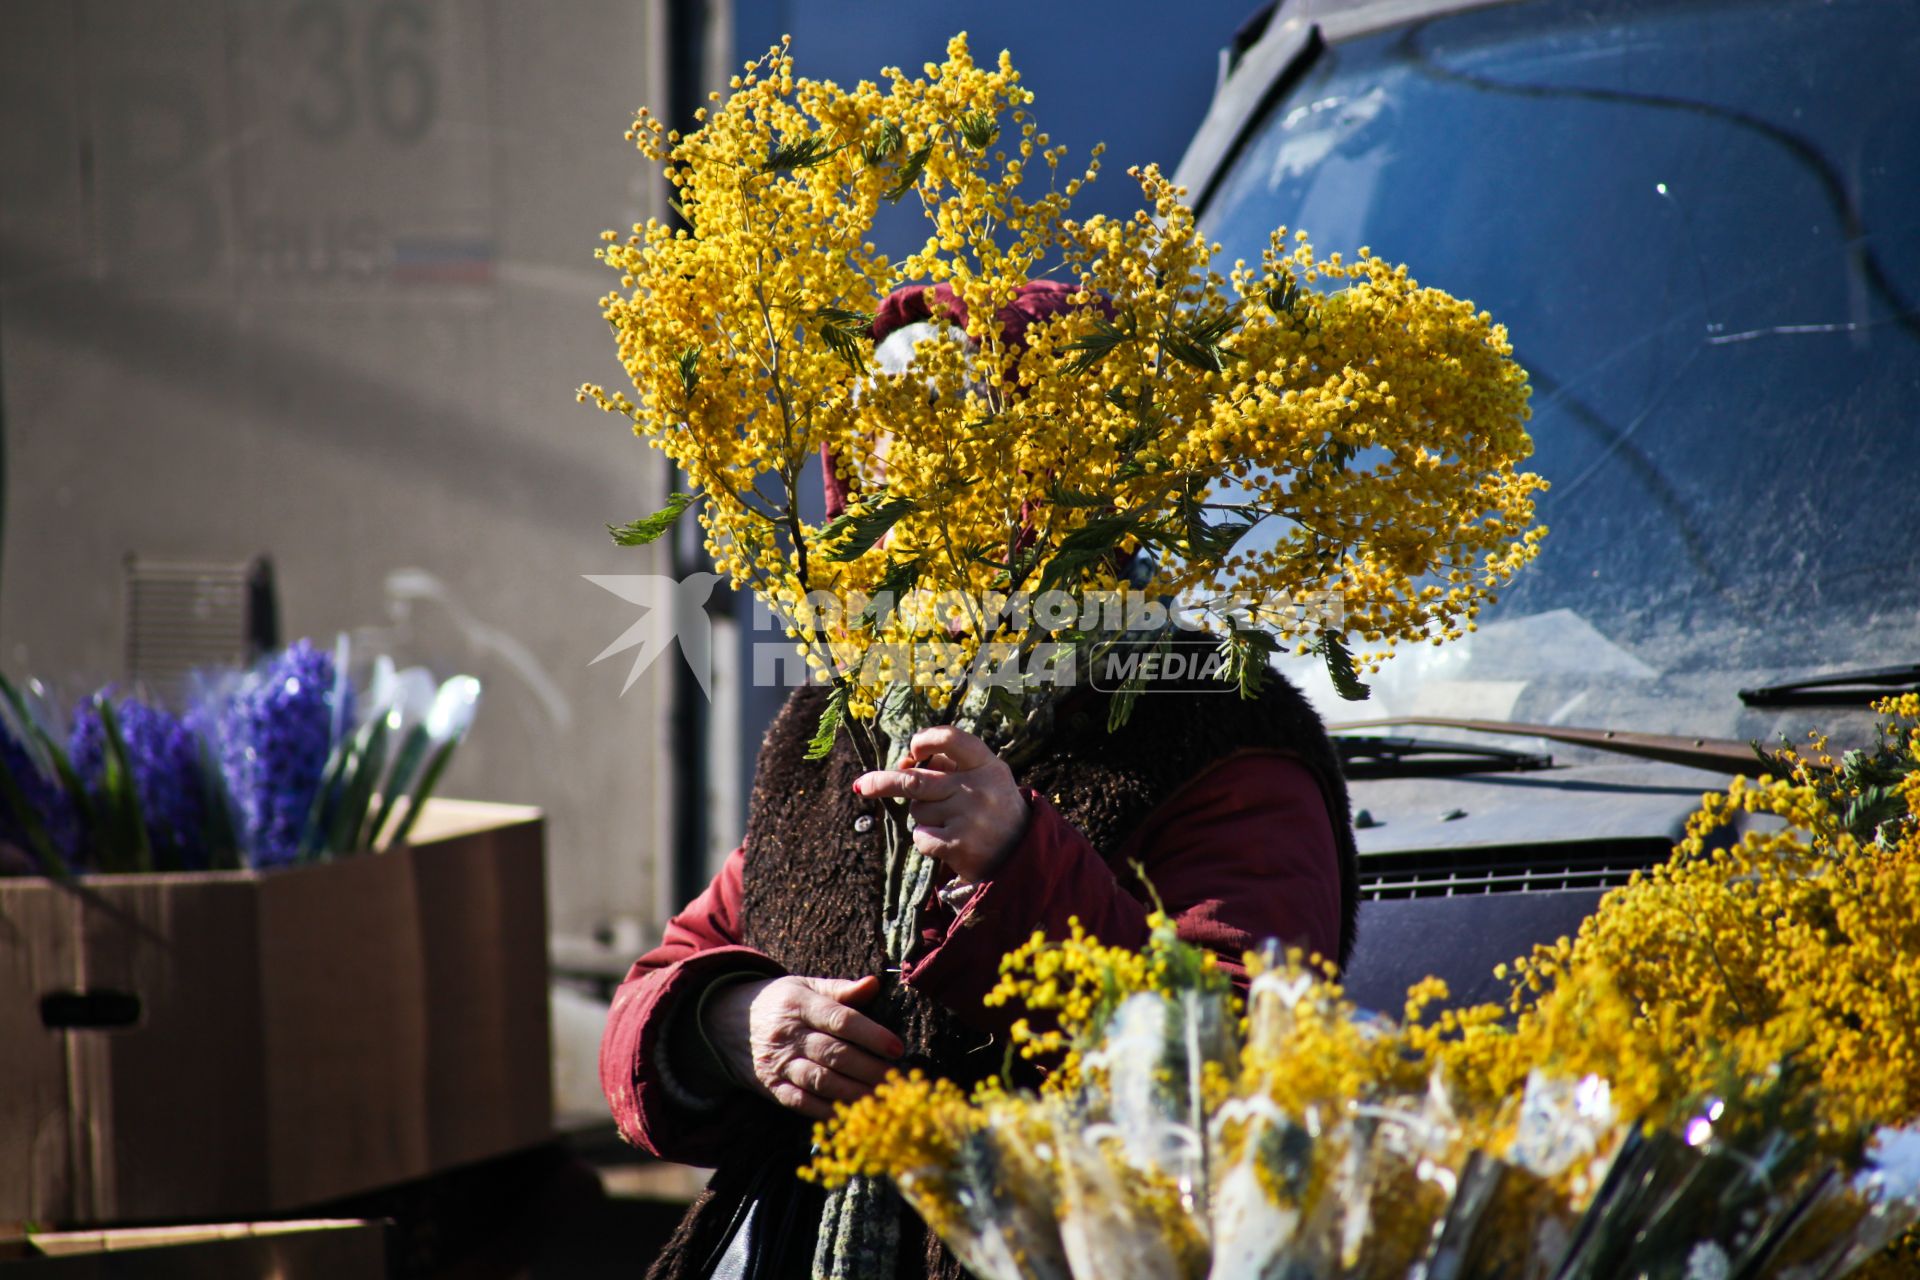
point(1243, 852)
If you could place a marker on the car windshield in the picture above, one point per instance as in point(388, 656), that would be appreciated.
point(1701, 226)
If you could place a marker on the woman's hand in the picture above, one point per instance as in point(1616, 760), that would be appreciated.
point(966, 810)
point(800, 1042)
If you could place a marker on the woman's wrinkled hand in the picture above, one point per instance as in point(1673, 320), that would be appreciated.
point(966, 810)
point(800, 1041)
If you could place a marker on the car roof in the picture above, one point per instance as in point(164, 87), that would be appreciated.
point(1254, 74)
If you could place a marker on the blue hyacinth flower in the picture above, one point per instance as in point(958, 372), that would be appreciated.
point(164, 757)
point(48, 801)
point(274, 733)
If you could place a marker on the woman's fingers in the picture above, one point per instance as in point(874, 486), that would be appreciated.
point(823, 1082)
point(800, 1040)
point(906, 784)
point(826, 1070)
point(936, 842)
point(794, 1098)
point(853, 991)
point(837, 1020)
point(938, 813)
point(848, 1059)
point(966, 808)
point(960, 747)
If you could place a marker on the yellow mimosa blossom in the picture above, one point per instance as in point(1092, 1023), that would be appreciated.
point(1778, 950)
point(1795, 939)
point(1369, 428)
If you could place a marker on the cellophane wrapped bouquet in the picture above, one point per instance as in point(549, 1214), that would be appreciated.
point(282, 763)
point(1715, 1079)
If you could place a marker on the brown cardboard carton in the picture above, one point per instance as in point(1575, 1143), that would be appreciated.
point(225, 1044)
point(484, 951)
point(319, 1249)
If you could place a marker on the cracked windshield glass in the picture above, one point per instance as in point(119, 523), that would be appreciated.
point(1700, 230)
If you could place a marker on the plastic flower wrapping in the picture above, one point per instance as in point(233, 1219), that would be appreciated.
point(1715, 1079)
point(286, 762)
point(1307, 450)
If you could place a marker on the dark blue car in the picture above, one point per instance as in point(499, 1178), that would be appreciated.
point(1700, 221)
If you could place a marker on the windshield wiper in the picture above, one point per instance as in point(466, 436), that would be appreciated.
point(1364, 756)
point(1842, 689)
point(1718, 755)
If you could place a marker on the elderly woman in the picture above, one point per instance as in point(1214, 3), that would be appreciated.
point(771, 997)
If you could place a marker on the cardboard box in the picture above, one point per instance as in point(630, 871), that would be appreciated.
point(230, 1044)
point(489, 1057)
point(321, 1249)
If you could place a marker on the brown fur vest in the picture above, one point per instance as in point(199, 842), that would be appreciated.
point(814, 880)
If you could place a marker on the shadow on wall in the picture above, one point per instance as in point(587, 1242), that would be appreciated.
point(299, 386)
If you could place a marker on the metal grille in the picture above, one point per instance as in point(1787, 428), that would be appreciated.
point(184, 617)
point(1445, 873)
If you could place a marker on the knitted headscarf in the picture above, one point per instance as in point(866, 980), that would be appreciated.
point(916, 304)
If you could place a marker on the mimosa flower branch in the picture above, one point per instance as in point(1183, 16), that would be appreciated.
point(1303, 429)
